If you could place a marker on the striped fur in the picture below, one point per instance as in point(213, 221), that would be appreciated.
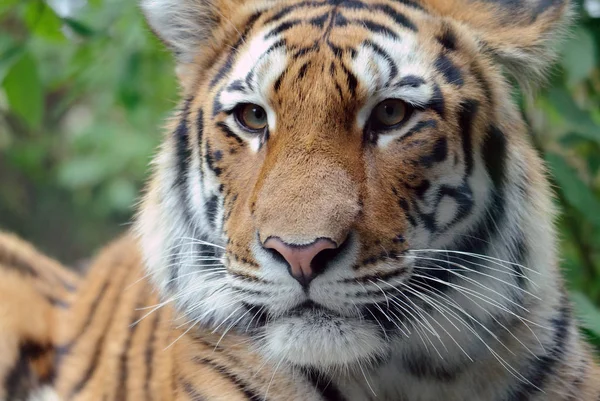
point(105, 339)
point(444, 283)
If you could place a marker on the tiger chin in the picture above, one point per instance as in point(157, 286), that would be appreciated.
point(350, 185)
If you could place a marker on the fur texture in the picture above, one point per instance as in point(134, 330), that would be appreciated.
point(444, 283)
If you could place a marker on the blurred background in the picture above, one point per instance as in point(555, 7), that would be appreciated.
point(85, 89)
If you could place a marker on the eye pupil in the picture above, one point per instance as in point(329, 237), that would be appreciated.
point(258, 113)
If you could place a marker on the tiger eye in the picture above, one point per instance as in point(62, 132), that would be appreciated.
point(390, 112)
point(252, 117)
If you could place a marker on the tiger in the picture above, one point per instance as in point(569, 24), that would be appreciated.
point(345, 206)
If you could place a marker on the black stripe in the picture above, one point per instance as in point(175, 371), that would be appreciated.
point(450, 72)
point(319, 21)
point(398, 17)
point(447, 39)
point(382, 53)
point(200, 134)
point(369, 25)
point(224, 70)
point(149, 354)
point(229, 133)
point(287, 10)
point(437, 102)
point(89, 372)
point(242, 386)
point(544, 366)
point(210, 161)
point(351, 80)
point(493, 153)
point(302, 71)
point(483, 83)
point(323, 385)
point(280, 78)
point(284, 26)
point(61, 350)
point(211, 210)
point(299, 52)
point(191, 391)
point(122, 393)
point(236, 86)
point(410, 3)
point(182, 149)
point(420, 126)
point(410, 80)
point(21, 380)
point(437, 155)
point(468, 112)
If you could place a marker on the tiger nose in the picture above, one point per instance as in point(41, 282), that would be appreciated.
point(300, 257)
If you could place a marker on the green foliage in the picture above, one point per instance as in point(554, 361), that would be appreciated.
point(83, 95)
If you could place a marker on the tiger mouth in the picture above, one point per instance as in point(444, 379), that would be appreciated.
point(309, 308)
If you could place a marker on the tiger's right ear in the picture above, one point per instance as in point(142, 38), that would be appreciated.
point(183, 25)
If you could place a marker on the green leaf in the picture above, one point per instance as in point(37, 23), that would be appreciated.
point(79, 28)
point(579, 56)
point(577, 120)
point(10, 56)
point(587, 312)
point(43, 21)
point(574, 189)
point(24, 90)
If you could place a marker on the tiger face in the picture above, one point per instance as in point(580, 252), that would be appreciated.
point(346, 181)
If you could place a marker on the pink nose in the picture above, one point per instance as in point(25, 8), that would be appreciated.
point(299, 257)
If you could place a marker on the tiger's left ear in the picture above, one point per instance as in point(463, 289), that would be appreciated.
point(521, 35)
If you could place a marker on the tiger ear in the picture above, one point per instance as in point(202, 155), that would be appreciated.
point(521, 35)
point(183, 25)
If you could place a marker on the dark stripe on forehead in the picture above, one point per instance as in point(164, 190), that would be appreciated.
point(398, 17)
point(289, 9)
point(350, 80)
point(450, 72)
point(447, 39)
point(383, 54)
point(369, 25)
point(410, 80)
point(284, 26)
point(226, 68)
point(319, 21)
point(437, 102)
point(410, 3)
point(302, 71)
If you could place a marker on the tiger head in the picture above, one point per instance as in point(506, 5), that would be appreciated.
point(348, 180)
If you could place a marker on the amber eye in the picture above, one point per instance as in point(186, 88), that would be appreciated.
point(252, 117)
point(389, 113)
